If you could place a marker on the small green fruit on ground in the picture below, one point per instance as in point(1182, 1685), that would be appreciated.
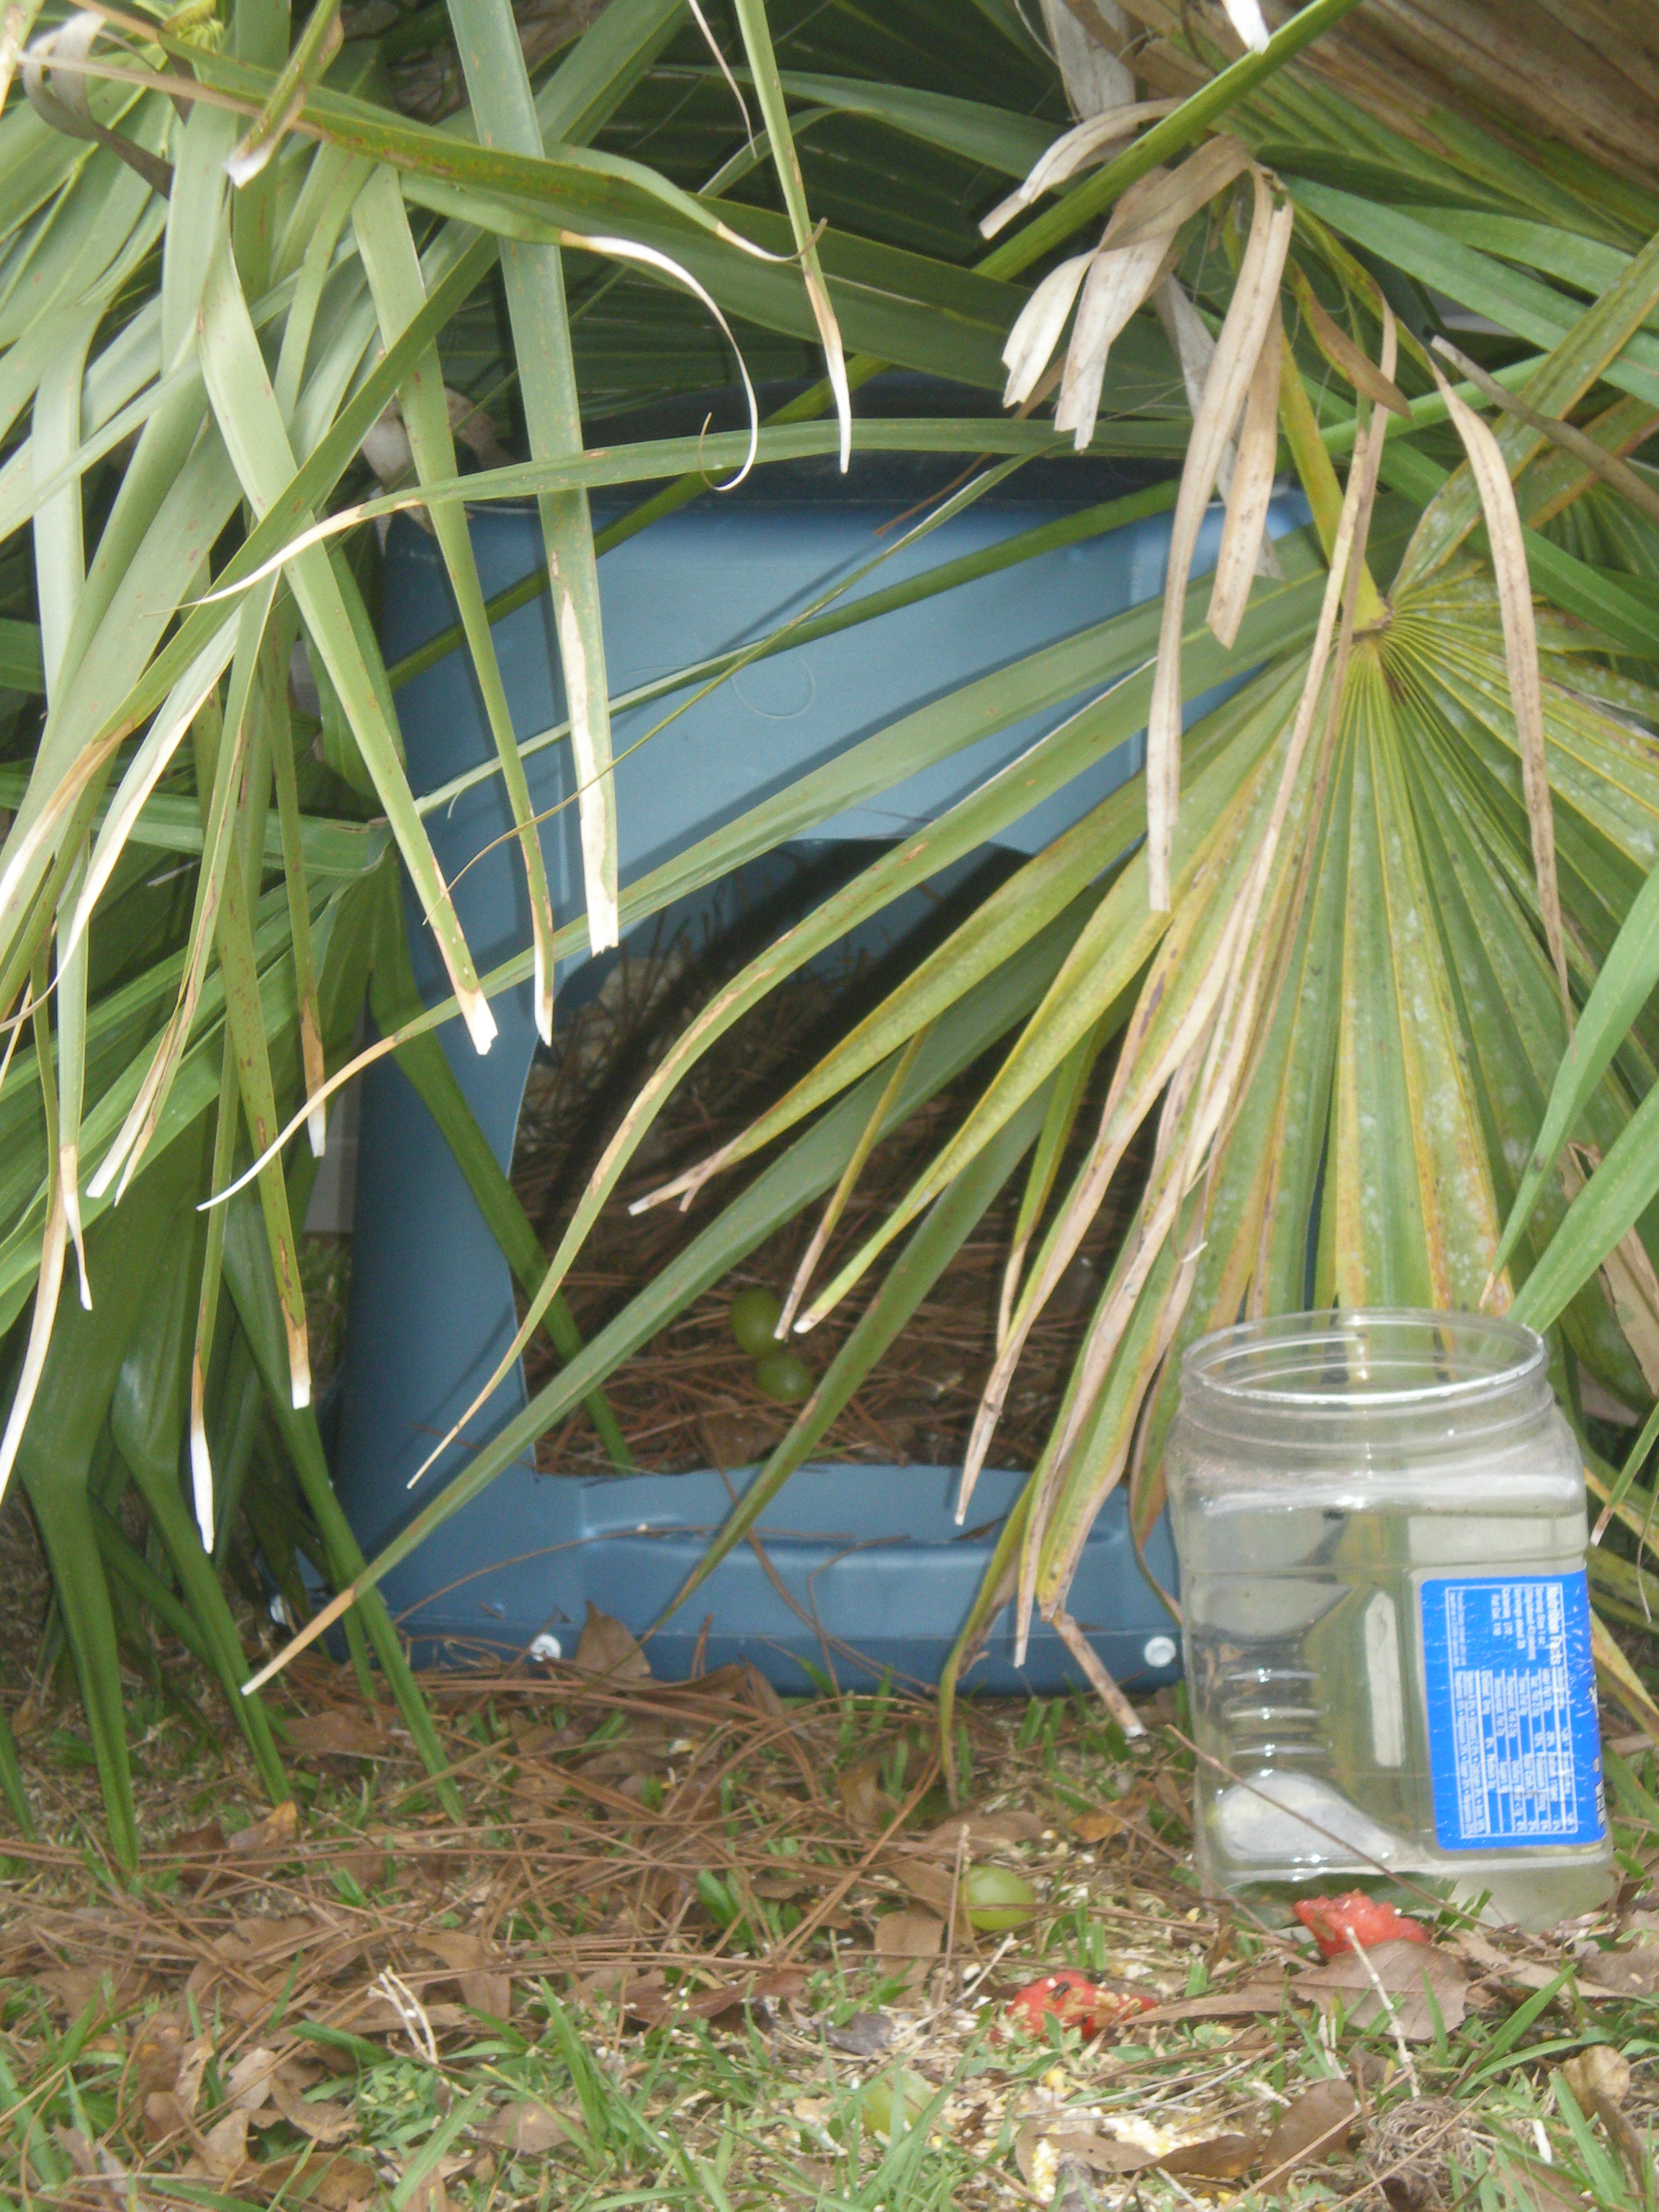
point(997, 1898)
point(886, 2113)
point(755, 1314)
point(781, 1377)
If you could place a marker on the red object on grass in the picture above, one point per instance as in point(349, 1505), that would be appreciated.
point(1339, 1924)
point(1074, 2001)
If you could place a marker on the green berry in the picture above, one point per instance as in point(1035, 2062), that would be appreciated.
point(886, 2113)
point(780, 1375)
point(997, 1898)
point(754, 1316)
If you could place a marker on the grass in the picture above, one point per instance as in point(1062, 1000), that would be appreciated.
point(644, 1972)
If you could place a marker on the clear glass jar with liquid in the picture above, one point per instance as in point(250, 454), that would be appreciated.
point(1381, 1523)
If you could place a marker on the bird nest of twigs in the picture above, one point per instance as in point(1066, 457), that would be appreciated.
point(689, 1398)
point(1423, 2155)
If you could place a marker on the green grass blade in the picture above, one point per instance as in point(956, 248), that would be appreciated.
point(493, 60)
point(147, 1415)
point(394, 275)
point(774, 110)
point(245, 409)
point(394, 998)
point(245, 1015)
point(937, 1240)
point(803, 1172)
point(253, 1289)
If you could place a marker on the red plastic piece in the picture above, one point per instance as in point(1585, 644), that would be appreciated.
point(1339, 1923)
point(1074, 2001)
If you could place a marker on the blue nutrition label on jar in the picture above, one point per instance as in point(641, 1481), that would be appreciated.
point(1514, 1749)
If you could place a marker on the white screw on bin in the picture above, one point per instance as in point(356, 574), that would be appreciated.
point(1159, 1651)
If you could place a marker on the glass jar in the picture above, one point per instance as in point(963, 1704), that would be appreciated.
point(1380, 1519)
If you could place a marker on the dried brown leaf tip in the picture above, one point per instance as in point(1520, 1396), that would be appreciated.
point(1109, 285)
point(1252, 323)
point(1507, 541)
point(1349, 360)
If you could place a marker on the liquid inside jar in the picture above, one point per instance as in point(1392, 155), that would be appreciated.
point(1382, 1533)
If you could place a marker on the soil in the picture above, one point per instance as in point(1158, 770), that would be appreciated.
point(688, 1399)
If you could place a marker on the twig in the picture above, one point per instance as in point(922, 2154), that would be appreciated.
point(1099, 1680)
point(412, 2013)
point(1388, 2005)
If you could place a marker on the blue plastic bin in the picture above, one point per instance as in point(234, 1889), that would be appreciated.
point(870, 1554)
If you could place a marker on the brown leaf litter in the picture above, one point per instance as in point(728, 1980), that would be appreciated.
point(228, 1985)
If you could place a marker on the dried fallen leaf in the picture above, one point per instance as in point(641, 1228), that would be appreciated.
point(428, 2193)
point(1262, 1996)
point(1107, 1820)
point(77, 2144)
point(478, 1973)
point(861, 1795)
point(323, 2120)
point(198, 1848)
point(1314, 2126)
point(156, 2050)
point(372, 2013)
point(275, 1832)
point(778, 1886)
point(1599, 2079)
point(907, 1940)
point(1044, 2143)
point(192, 2065)
point(1495, 1965)
point(1533, 2186)
point(862, 2036)
point(1217, 2158)
point(648, 1999)
point(249, 2081)
point(527, 2130)
point(113, 1988)
point(607, 1648)
point(931, 1886)
point(1623, 1973)
point(342, 2185)
point(976, 1833)
point(165, 2118)
point(369, 1865)
point(1597, 2075)
point(338, 1733)
point(224, 2146)
point(1410, 1976)
point(741, 1680)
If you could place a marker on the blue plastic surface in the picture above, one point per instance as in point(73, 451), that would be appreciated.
point(432, 1310)
point(872, 1571)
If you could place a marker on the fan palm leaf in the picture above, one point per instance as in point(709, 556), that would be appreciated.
point(1372, 951)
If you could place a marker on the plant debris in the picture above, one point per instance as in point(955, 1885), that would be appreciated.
point(673, 1940)
point(691, 1398)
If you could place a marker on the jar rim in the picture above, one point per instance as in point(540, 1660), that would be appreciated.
point(1409, 1360)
